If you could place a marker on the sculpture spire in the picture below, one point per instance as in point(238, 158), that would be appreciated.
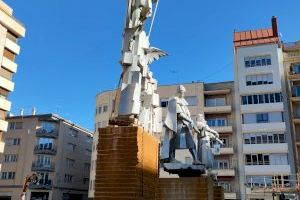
point(138, 99)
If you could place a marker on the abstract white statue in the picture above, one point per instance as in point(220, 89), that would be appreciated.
point(138, 98)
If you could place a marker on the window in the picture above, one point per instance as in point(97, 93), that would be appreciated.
point(225, 185)
point(192, 100)
point(71, 147)
point(15, 125)
point(215, 102)
point(9, 158)
point(45, 143)
point(295, 68)
point(164, 103)
point(72, 132)
point(12, 141)
point(8, 175)
point(257, 61)
point(262, 118)
point(105, 109)
point(259, 79)
point(99, 110)
point(264, 138)
point(257, 159)
point(44, 160)
point(48, 127)
point(70, 163)
point(223, 164)
point(217, 122)
point(68, 178)
point(261, 98)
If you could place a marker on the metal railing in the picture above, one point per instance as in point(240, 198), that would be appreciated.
point(40, 149)
point(36, 166)
point(41, 185)
point(41, 132)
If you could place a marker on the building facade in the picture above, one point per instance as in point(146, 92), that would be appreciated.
point(10, 31)
point(265, 146)
point(214, 100)
point(56, 149)
point(291, 56)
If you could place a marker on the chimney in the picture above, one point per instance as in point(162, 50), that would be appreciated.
point(33, 111)
point(21, 111)
point(275, 26)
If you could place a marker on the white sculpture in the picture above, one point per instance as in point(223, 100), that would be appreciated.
point(205, 153)
point(138, 98)
point(179, 128)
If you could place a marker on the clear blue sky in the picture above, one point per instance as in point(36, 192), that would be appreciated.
point(72, 47)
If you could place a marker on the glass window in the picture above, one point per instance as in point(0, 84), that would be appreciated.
point(164, 104)
point(244, 100)
point(272, 98)
point(105, 109)
point(248, 160)
point(267, 100)
point(276, 138)
point(255, 99)
point(270, 139)
point(277, 97)
point(250, 100)
point(266, 160)
point(262, 118)
point(259, 139)
point(261, 98)
point(281, 138)
point(192, 100)
point(254, 160)
point(99, 109)
point(264, 139)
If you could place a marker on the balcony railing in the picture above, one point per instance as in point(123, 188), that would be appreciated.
point(50, 150)
point(41, 185)
point(43, 167)
point(41, 132)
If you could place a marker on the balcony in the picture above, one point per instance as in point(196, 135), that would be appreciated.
point(4, 104)
point(39, 149)
point(3, 125)
point(217, 109)
point(42, 167)
point(9, 65)
point(222, 129)
point(256, 108)
point(230, 195)
point(41, 132)
point(226, 150)
point(41, 185)
point(12, 46)
point(265, 170)
point(224, 168)
point(264, 127)
point(265, 148)
point(224, 172)
point(6, 84)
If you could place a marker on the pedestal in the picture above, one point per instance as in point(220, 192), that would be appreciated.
point(127, 164)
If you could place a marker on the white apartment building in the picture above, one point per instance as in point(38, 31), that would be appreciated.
point(262, 119)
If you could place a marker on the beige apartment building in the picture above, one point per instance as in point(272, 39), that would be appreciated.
point(291, 56)
point(214, 100)
point(56, 149)
point(10, 31)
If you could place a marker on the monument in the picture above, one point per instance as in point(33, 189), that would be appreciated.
point(128, 153)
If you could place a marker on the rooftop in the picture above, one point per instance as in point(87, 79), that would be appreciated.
point(257, 37)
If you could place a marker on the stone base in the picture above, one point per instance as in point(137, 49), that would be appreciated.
point(127, 164)
point(184, 170)
point(189, 188)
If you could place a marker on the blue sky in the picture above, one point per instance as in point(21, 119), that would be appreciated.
point(72, 47)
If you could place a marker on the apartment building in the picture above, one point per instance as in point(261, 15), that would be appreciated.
point(56, 149)
point(291, 56)
point(215, 101)
point(265, 150)
point(10, 31)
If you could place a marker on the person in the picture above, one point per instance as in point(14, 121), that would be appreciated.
point(179, 127)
